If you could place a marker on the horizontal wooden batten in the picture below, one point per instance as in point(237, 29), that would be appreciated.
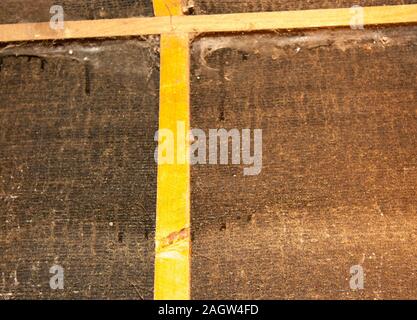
point(208, 23)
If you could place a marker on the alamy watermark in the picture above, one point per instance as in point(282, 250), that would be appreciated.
point(357, 279)
point(357, 20)
point(57, 20)
point(214, 146)
point(57, 280)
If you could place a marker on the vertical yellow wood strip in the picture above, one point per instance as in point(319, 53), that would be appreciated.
point(172, 258)
point(167, 7)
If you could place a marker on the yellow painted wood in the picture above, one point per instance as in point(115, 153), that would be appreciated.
point(208, 23)
point(167, 7)
point(172, 258)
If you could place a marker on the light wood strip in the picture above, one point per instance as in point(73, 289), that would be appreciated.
point(209, 23)
point(172, 259)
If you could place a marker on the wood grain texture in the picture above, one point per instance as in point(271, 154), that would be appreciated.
point(339, 181)
point(19, 11)
point(172, 260)
point(172, 254)
point(77, 169)
point(210, 23)
point(233, 6)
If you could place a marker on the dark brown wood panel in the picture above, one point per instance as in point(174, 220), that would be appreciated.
point(16, 11)
point(231, 6)
point(339, 180)
point(77, 169)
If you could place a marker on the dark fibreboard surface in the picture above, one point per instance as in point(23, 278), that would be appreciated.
point(77, 169)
